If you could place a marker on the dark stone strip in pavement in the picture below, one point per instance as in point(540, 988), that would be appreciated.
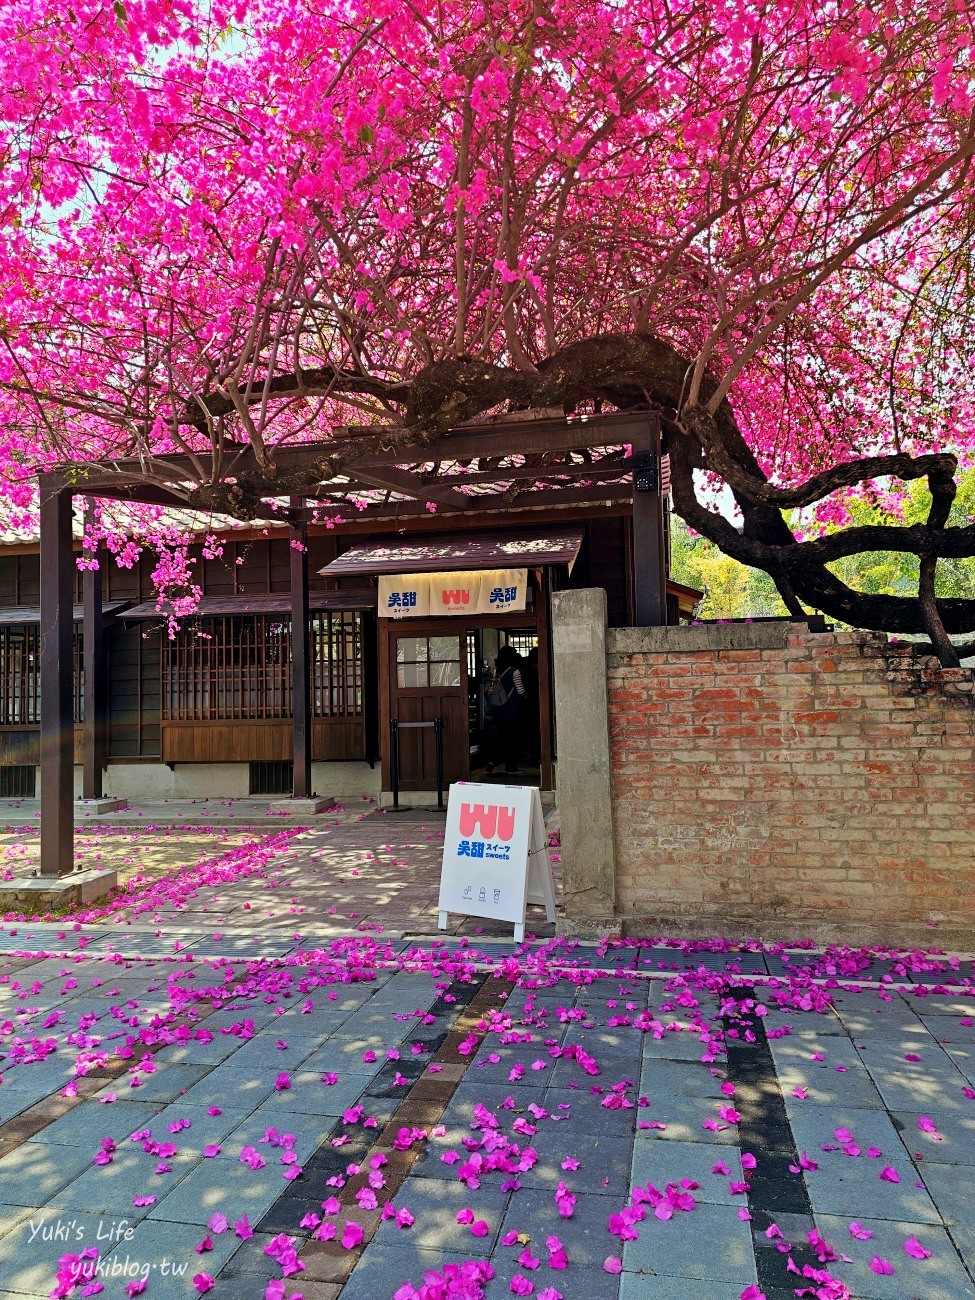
point(422, 1107)
point(36, 1118)
point(775, 1194)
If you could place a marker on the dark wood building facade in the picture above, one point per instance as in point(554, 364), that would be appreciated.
point(209, 709)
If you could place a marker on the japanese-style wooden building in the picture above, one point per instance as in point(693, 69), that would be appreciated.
point(310, 639)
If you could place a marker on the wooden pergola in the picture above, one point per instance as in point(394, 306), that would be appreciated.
point(516, 466)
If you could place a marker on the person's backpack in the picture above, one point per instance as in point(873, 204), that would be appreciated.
point(495, 694)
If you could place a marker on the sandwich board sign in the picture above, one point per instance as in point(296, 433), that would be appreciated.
point(495, 858)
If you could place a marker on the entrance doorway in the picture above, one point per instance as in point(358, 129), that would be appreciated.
point(489, 745)
point(440, 668)
point(428, 680)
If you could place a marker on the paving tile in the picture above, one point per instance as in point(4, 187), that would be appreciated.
point(435, 1206)
point(230, 1187)
point(584, 1236)
point(952, 1188)
point(383, 1267)
point(953, 1144)
point(638, 1286)
point(205, 1129)
point(12, 1214)
point(825, 1086)
point(676, 1046)
point(921, 1087)
point(604, 1162)
point(163, 1085)
point(685, 1078)
point(683, 1117)
point(245, 1087)
point(577, 1111)
point(197, 1052)
point(167, 1251)
point(309, 1132)
point(110, 1189)
point(669, 1162)
point(942, 1277)
point(30, 1250)
point(710, 1243)
point(309, 1096)
point(86, 1125)
point(573, 1282)
point(37, 1170)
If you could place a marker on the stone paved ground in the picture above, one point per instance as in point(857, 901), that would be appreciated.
point(764, 1102)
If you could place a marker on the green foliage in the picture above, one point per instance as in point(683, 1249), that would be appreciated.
point(893, 573)
point(733, 590)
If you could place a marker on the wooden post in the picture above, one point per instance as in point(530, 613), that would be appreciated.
point(57, 674)
point(94, 662)
point(649, 548)
point(300, 662)
point(546, 776)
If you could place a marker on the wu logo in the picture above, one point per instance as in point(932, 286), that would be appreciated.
point(460, 596)
point(495, 822)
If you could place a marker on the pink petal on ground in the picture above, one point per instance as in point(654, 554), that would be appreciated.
point(883, 1267)
point(914, 1248)
point(612, 1264)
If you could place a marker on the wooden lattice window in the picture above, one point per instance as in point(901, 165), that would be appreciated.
point(239, 667)
point(20, 675)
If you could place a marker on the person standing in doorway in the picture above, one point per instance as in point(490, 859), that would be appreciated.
point(506, 696)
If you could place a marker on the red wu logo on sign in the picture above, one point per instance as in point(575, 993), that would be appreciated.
point(456, 597)
point(495, 822)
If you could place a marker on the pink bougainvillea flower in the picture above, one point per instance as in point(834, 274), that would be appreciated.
point(914, 1248)
point(352, 1235)
point(613, 1264)
point(860, 1232)
point(203, 1282)
point(889, 1174)
point(882, 1267)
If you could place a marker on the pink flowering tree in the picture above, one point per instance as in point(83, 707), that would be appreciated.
point(231, 226)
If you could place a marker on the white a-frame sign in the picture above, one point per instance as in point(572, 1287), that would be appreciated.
point(495, 859)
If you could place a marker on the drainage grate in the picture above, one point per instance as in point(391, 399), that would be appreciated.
point(271, 778)
point(18, 782)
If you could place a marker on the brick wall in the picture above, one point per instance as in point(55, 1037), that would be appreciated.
point(771, 781)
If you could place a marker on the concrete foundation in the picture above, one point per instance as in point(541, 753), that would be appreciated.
point(134, 782)
point(37, 894)
point(300, 807)
point(97, 807)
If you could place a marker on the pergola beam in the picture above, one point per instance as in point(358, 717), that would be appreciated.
point(467, 443)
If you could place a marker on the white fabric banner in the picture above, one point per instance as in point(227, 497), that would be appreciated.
point(503, 591)
point(454, 593)
point(432, 595)
point(405, 596)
